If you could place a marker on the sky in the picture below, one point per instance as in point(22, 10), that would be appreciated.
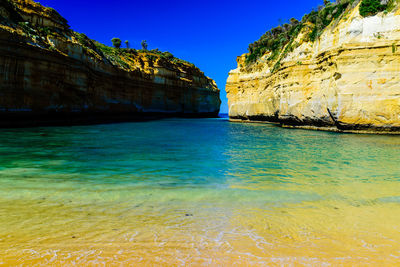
point(208, 33)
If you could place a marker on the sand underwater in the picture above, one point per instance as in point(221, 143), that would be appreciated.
point(198, 192)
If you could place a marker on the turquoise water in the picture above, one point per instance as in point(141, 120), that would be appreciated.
point(197, 191)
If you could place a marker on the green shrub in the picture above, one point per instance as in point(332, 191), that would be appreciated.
point(168, 55)
point(276, 39)
point(27, 28)
point(116, 42)
point(391, 5)
point(82, 39)
point(52, 10)
point(44, 30)
point(103, 48)
point(144, 45)
point(151, 57)
point(371, 7)
point(394, 48)
point(276, 67)
point(132, 51)
point(314, 34)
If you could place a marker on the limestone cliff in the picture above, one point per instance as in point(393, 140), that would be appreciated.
point(347, 79)
point(51, 74)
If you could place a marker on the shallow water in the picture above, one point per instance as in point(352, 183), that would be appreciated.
point(199, 192)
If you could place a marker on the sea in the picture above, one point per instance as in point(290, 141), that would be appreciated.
point(198, 192)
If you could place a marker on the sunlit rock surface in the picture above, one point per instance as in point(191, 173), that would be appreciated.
point(48, 75)
point(347, 80)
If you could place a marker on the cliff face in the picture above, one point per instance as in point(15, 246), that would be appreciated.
point(347, 80)
point(50, 73)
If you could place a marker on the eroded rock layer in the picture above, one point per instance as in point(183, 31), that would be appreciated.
point(50, 74)
point(347, 80)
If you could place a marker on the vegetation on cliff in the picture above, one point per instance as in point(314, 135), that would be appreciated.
point(20, 18)
point(116, 42)
point(279, 41)
point(372, 7)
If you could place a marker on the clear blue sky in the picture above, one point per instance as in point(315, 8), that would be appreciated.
point(208, 33)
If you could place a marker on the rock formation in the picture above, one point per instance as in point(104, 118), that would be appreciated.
point(51, 74)
point(348, 79)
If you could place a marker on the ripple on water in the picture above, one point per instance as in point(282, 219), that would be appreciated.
point(202, 191)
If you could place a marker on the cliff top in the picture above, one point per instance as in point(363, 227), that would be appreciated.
point(277, 43)
point(45, 28)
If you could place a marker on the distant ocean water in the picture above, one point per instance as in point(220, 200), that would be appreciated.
point(197, 191)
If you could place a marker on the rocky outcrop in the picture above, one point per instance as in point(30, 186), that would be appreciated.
point(50, 74)
point(347, 80)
